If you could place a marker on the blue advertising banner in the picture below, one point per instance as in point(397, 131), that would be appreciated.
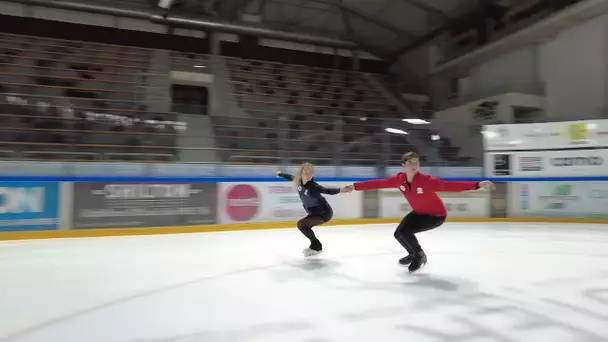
point(29, 206)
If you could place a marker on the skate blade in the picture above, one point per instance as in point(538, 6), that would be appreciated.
point(310, 252)
point(421, 267)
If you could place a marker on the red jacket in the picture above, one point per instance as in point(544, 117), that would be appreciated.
point(422, 196)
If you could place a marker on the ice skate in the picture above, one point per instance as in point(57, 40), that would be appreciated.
point(406, 260)
point(315, 248)
point(308, 252)
point(419, 260)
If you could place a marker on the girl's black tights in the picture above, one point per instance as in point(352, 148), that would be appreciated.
point(306, 224)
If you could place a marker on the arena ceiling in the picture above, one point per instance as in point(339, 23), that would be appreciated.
point(386, 28)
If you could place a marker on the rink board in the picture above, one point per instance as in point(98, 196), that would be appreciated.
point(57, 234)
point(208, 206)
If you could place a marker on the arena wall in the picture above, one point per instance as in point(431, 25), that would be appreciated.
point(58, 207)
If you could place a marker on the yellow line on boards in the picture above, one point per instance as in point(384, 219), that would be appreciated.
point(80, 233)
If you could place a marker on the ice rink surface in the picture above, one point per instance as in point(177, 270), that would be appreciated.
point(483, 282)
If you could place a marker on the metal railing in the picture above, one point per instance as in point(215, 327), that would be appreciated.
point(536, 87)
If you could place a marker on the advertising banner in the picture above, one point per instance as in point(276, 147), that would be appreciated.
point(140, 205)
point(563, 163)
point(276, 202)
point(551, 135)
point(461, 204)
point(29, 206)
point(559, 199)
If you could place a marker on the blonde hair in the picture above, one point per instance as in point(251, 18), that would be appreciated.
point(297, 179)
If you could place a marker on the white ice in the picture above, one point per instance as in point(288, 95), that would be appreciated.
point(483, 282)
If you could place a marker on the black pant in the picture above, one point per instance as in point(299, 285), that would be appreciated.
point(314, 219)
point(414, 223)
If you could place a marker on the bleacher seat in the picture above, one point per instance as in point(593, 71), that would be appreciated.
point(78, 100)
point(322, 112)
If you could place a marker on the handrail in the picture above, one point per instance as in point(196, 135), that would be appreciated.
point(236, 93)
point(88, 71)
point(301, 69)
point(300, 66)
point(340, 82)
point(234, 76)
point(176, 148)
point(320, 123)
point(75, 98)
point(246, 84)
point(218, 123)
point(81, 42)
point(321, 107)
point(177, 57)
point(90, 63)
point(68, 78)
point(215, 126)
point(63, 152)
point(139, 154)
point(291, 140)
point(84, 89)
point(63, 130)
point(339, 117)
point(274, 112)
point(67, 53)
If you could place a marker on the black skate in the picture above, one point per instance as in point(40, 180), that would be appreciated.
point(406, 260)
point(418, 262)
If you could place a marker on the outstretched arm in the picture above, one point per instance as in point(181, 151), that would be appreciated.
point(329, 191)
point(441, 185)
point(287, 176)
point(392, 182)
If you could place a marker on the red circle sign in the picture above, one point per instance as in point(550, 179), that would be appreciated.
point(242, 202)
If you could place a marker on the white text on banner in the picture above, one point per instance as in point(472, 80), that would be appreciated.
point(561, 163)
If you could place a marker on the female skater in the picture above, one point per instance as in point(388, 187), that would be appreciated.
point(428, 212)
point(319, 211)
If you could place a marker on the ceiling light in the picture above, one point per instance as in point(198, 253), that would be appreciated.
point(416, 121)
point(395, 131)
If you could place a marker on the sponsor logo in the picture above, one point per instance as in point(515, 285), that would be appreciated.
point(527, 164)
point(419, 191)
point(559, 197)
point(242, 202)
point(502, 164)
point(577, 161)
point(146, 191)
point(578, 133)
point(21, 200)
